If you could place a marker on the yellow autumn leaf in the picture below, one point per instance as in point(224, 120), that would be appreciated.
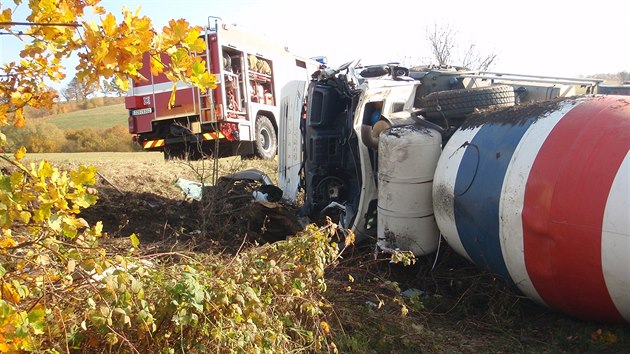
point(110, 60)
point(208, 80)
point(4, 117)
point(20, 98)
point(109, 25)
point(191, 36)
point(19, 121)
point(333, 348)
point(404, 310)
point(177, 30)
point(98, 10)
point(135, 241)
point(25, 216)
point(7, 241)
point(45, 169)
point(193, 42)
point(142, 25)
point(122, 82)
point(128, 16)
point(10, 294)
point(156, 65)
point(171, 101)
point(350, 238)
point(325, 327)
point(98, 228)
point(85, 175)
point(20, 153)
point(5, 16)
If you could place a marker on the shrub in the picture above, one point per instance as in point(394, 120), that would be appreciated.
point(35, 137)
point(114, 139)
point(43, 137)
point(61, 291)
point(82, 140)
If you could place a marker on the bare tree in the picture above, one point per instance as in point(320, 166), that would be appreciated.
point(111, 87)
point(78, 90)
point(474, 60)
point(445, 45)
point(441, 42)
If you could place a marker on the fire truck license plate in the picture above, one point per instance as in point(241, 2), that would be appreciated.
point(137, 112)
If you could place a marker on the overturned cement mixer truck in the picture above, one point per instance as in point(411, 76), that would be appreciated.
point(527, 177)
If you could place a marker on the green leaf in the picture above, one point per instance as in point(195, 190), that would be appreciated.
point(136, 286)
point(36, 319)
point(5, 183)
point(54, 222)
point(199, 68)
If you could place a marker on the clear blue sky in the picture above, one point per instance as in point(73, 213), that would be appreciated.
point(546, 37)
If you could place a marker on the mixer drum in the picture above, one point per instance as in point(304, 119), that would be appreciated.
point(539, 194)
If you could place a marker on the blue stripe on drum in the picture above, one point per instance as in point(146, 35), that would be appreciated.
point(478, 192)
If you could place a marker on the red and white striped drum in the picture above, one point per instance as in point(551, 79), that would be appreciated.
point(540, 195)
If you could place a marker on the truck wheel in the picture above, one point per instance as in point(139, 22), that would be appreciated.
point(266, 141)
point(456, 103)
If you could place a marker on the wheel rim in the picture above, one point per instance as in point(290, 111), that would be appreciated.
point(265, 139)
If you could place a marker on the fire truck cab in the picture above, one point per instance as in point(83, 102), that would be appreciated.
point(260, 84)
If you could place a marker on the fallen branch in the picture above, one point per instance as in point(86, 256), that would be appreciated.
point(110, 183)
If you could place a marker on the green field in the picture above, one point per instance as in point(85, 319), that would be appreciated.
point(100, 117)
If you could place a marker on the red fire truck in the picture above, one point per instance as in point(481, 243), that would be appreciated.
point(260, 84)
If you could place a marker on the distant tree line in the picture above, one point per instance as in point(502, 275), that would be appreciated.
point(39, 136)
point(79, 95)
point(620, 77)
point(80, 90)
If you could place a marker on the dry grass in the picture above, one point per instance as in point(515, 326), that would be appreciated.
point(148, 171)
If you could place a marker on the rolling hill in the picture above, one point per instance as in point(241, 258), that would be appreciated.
point(99, 117)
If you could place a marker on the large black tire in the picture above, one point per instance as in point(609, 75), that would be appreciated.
point(456, 103)
point(266, 141)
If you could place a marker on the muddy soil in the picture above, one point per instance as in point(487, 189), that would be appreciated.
point(164, 217)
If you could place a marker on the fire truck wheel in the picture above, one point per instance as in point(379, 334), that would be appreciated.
point(457, 103)
point(266, 143)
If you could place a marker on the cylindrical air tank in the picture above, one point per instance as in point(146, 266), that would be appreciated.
point(407, 157)
point(539, 194)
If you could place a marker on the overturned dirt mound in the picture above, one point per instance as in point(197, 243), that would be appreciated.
point(227, 216)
